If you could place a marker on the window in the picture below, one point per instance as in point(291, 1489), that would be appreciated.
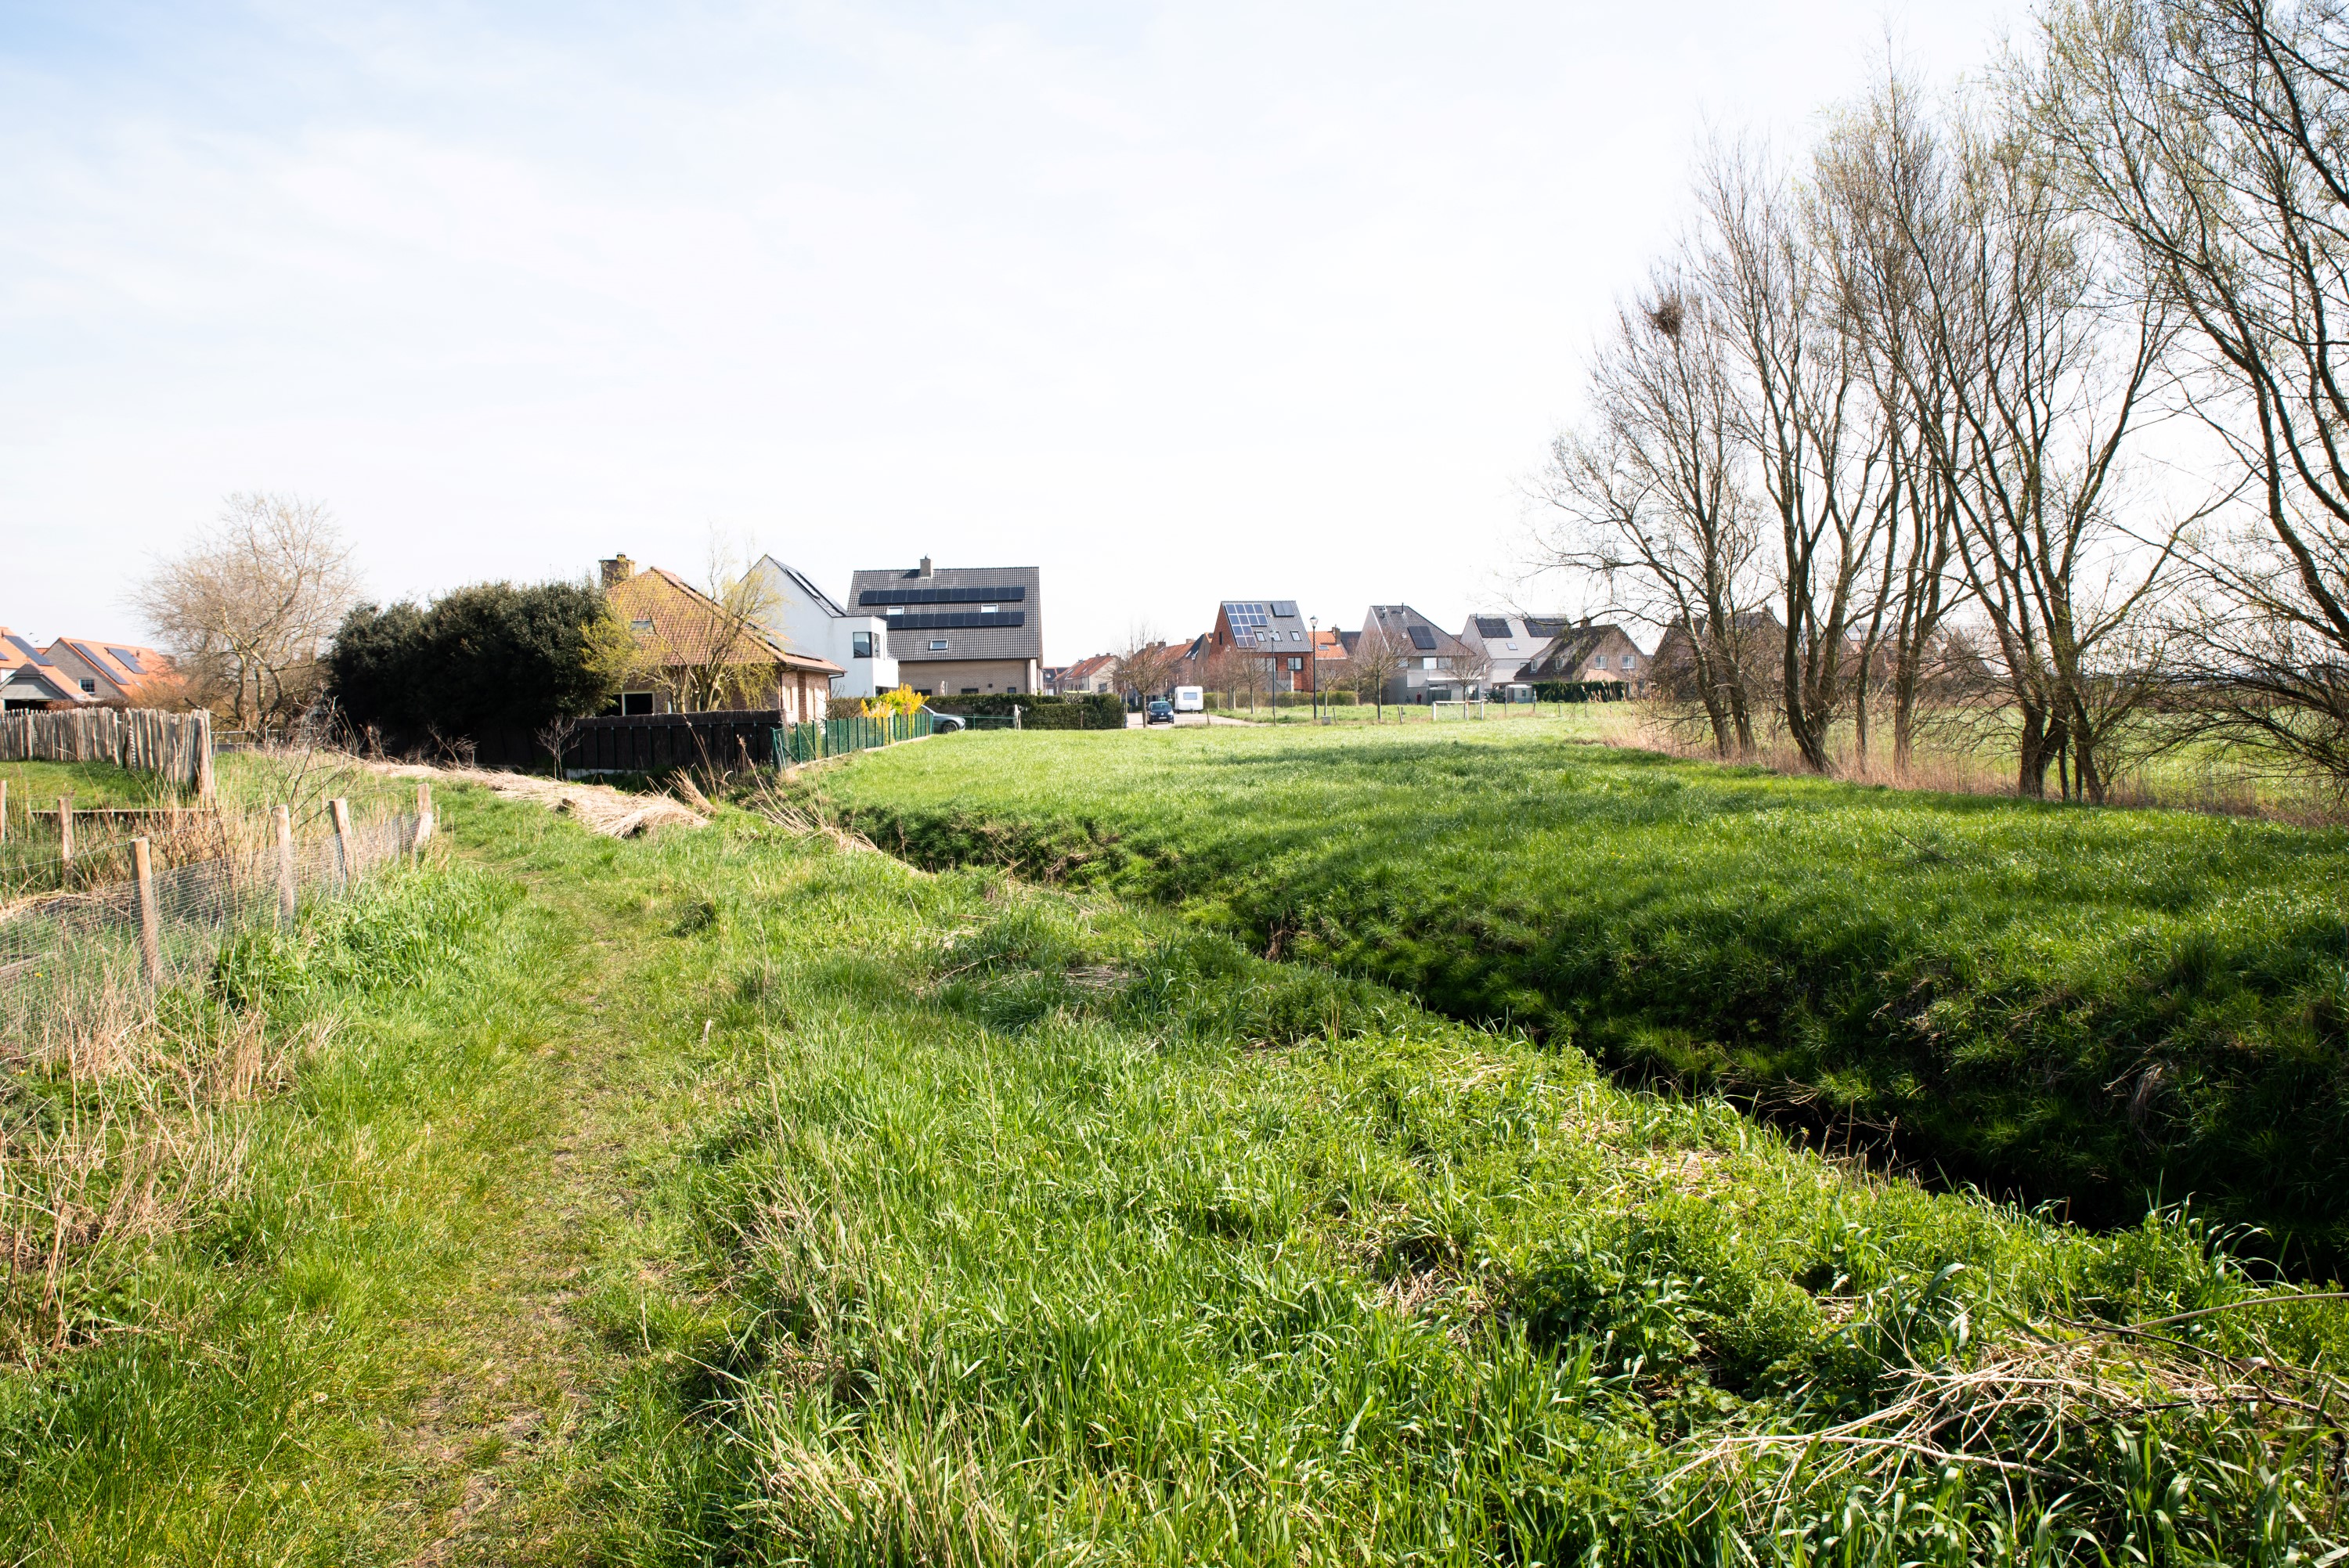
point(896, 609)
point(989, 609)
point(937, 645)
point(641, 624)
point(635, 702)
point(970, 691)
point(860, 645)
point(1599, 663)
point(1427, 664)
point(1296, 664)
point(89, 687)
point(1296, 636)
point(1511, 646)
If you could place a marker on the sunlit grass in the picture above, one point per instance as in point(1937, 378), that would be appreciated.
point(2105, 1008)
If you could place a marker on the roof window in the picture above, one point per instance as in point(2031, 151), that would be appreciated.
point(641, 624)
point(937, 645)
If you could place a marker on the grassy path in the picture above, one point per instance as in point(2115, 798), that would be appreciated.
point(552, 1320)
point(419, 1310)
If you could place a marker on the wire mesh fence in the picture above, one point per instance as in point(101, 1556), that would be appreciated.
point(88, 942)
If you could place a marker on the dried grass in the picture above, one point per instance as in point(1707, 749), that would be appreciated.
point(598, 808)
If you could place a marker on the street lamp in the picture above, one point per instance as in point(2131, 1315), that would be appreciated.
point(1313, 652)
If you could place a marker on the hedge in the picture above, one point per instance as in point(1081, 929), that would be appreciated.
point(1096, 710)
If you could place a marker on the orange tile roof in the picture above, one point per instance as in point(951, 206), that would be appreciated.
point(686, 622)
point(109, 660)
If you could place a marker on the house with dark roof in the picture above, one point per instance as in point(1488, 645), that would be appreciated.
point(694, 654)
point(959, 631)
point(29, 678)
point(1269, 631)
point(1584, 652)
point(1511, 642)
point(805, 619)
point(1436, 666)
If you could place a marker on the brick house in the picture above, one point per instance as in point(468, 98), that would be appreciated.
point(678, 632)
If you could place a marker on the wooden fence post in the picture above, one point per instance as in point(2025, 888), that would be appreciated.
point(65, 829)
point(423, 814)
point(203, 745)
point(4, 810)
point(151, 927)
point(340, 809)
point(284, 817)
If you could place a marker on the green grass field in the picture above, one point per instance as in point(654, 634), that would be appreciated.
point(730, 1198)
point(2098, 1007)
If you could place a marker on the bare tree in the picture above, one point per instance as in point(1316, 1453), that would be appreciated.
point(2046, 365)
point(1146, 667)
point(1875, 170)
point(2212, 135)
point(1819, 451)
point(1650, 496)
point(1375, 663)
point(247, 608)
point(723, 657)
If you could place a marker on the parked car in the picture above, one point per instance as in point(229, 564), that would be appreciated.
point(1161, 711)
point(946, 723)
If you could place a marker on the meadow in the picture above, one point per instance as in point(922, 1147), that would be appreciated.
point(2104, 1009)
point(737, 1195)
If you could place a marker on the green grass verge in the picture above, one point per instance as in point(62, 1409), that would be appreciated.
point(865, 1216)
point(1051, 1229)
point(2102, 1007)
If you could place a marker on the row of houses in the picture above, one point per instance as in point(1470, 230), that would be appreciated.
point(778, 640)
point(73, 672)
point(1269, 645)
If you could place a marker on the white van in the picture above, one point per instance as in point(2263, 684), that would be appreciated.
point(1188, 700)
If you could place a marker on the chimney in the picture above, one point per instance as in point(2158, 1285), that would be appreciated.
point(618, 570)
point(1585, 620)
point(926, 569)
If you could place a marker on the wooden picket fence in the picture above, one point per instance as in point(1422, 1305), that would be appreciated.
point(176, 747)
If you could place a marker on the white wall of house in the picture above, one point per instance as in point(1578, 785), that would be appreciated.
point(807, 620)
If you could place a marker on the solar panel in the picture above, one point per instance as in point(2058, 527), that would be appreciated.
point(130, 660)
point(1545, 627)
point(985, 593)
point(952, 620)
point(29, 651)
point(1286, 608)
point(1491, 626)
point(1423, 637)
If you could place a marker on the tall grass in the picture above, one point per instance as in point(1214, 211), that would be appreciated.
point(2105, 1008)
point(1050, 1229)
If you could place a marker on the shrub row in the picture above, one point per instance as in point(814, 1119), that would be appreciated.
point(1096, 710)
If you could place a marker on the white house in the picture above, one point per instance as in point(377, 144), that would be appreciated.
point(806, 619)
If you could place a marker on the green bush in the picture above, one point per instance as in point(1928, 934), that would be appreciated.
point(1092, 710)
point(489, 657)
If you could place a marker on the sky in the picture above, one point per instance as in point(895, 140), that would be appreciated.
point(1180, 303)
